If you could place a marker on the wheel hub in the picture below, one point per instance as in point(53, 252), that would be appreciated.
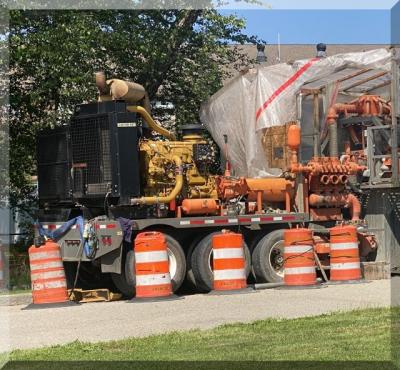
point(172, 263)
point(276, 258)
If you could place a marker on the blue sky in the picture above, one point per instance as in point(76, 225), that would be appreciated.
point(332, 22)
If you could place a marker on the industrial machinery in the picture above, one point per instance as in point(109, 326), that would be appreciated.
point(116, 168)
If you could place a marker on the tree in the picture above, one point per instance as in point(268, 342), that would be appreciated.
point(180, 56)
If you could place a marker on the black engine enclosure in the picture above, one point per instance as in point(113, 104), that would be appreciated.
point(93, 159)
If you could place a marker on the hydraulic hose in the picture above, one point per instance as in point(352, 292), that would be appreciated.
point(355, 207)
point(150, 121)
point(172, 195)
point(338, 200)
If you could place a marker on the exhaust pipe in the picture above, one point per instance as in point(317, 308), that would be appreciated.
point(116, 89)
point(101, 84)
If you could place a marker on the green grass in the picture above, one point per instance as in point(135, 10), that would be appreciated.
point(16, 291)
point(363, 335)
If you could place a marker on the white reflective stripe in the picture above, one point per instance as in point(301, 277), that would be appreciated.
point(102, 226)
point(155, 279)
point(47, 265)
point(229, 274)
point(345, 266)
point(277, 218)
point(299, 270)
point(184, 222)
point(209, 221)
point(44, 255)
point(228, 253)
point(298, 248)
point(232, 220)
point(339, 246)
point(255, 219)
point(49, 285)
point(154, 256)
point(48, 275)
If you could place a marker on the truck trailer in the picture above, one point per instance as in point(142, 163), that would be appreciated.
point(113, 172)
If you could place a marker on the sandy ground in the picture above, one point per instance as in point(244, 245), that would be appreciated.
point(93, 322)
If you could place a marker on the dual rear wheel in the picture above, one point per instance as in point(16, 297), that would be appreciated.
point(265, 262)
point(125, 282)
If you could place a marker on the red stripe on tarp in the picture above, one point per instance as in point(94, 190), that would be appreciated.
point(284, 86)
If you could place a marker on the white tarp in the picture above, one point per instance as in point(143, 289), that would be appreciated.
point(266, 97)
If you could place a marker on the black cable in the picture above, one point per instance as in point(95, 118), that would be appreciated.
point(77, 272)
point(106, 203)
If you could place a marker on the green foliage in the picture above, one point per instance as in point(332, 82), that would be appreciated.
point(180, 56)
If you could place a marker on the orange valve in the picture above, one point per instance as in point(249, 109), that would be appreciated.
point(299, 260)
point(48, 280)
point(153, 279)
point(293, 137)
point(228, 261)
point(345, 258)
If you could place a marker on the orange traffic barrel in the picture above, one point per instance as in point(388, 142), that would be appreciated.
point(229, 266)
point(48, 280)
point(344, 254)
point(299, 260)
point(153, 279)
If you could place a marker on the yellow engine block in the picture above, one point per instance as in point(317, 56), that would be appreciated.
point(158, 168)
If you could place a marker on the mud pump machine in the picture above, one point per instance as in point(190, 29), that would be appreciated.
point(116, 168)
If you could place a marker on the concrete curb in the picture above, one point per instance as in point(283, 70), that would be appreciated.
point(15, 299)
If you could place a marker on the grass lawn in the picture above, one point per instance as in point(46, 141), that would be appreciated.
point(363, 335)
point(17, 291)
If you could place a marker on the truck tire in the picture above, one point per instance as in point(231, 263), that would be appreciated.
point(267, 258)
point(201, 262)
point(189, 274)
point(177, 262)
point(125, 282)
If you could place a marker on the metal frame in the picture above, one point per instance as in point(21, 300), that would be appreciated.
point(372, 157)
point(395, 115)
